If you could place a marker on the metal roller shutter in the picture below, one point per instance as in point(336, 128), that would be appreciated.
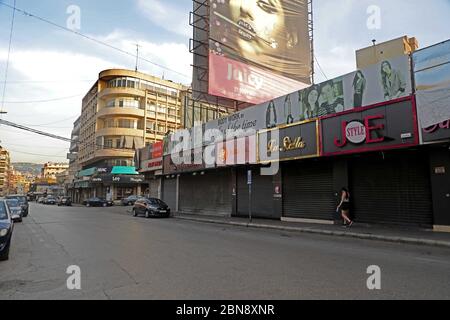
point(308, 190)
point(262, 195)
point(170, 193)
point(208, 194)
point(155, 188)
point(396, 190)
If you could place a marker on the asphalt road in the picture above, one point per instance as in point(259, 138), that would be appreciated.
point(122, 257)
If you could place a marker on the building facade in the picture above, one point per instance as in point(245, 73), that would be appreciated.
point(5, 163)
point(367, 131)
point(123, 111)
point(51, 170)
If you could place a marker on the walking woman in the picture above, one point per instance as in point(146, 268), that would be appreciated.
point(344, 206)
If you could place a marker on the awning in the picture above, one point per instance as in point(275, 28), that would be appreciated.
point(87, 172)
point(124, 170)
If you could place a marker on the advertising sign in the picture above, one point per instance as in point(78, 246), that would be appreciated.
point(257, 44)
point(385, 81)
point(193, 162)
point(438, 132)
point(368, 129)
point(296, 141)
point(432, 77)
point(151, 157)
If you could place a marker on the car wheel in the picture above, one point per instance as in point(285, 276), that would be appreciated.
point(105, 205)
point(88, 205)
point(134, 213)
point(147, 214)
point(5, 255)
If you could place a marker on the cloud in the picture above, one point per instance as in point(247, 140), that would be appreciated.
point(54, 73)
point(166, 16)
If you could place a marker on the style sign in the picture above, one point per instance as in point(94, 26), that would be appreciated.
point(381, 127)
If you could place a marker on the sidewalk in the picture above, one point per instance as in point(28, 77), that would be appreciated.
point(359, 231)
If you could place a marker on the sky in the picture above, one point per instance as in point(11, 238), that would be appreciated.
point(48, 63)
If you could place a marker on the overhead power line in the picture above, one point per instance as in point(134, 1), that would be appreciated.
point(42, 133)
point(8, 58)
point(38, 155)
point(320, 67)
point(43, 101)
point(91, 38)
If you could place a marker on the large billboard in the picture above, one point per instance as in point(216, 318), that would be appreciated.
point(259, 49)
point(432, 77)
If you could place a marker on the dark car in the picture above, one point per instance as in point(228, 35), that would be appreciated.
point(151, 208)
point(15, 209)
point(50, 200)
point(65, 201)
point(23, 200)
point(6, 230)
point(97, 202)
point(130, 201)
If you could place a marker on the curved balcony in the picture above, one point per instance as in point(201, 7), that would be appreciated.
point(107, 132)
point(112, 112)
point(123, 92)
point(113, 153)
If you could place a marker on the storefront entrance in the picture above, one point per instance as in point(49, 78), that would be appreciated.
point(392, 188)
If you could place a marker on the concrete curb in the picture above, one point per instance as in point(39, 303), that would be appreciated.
point(363, 236)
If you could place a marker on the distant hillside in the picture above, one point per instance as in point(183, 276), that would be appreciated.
point(31, 168)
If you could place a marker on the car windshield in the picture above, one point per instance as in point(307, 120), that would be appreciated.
point(13, 203)
point(157, 202)
point(21, 199)
point(3, 212)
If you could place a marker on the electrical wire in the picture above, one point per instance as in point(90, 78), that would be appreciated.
point(8, 59)
point(320, 67)
point(38, 155)
point(43, 101)
point(91, 38)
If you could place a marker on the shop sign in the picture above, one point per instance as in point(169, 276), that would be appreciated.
point(357, 132)
point(289, 142)
point(437, 132)
point(192, 161)
point(369, 129)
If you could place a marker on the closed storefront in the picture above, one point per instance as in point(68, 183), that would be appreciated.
point(206, 193)
point(262, 194)
point(308, 190)
point(169, 195)
point(155, 188)
point(392, 188)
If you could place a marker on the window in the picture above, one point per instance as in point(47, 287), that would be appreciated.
point(108, 144)
point(111, 103)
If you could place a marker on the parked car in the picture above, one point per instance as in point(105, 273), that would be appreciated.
point(151, 207)
point(41, 200)
point(6, 230)
point(23, 203)
point(129, 201)
point(65, 201)
point(97, 202)
point(15, 209)
point(50, 200)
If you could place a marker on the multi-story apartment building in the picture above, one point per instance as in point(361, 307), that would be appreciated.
point(51, 170)
point(123, 111)
point(5, 164)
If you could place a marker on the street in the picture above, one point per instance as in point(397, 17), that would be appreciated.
point(122, 257)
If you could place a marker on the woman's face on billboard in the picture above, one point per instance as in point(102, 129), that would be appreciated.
point(264, 19)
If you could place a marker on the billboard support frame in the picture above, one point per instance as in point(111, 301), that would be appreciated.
point(311, 37)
